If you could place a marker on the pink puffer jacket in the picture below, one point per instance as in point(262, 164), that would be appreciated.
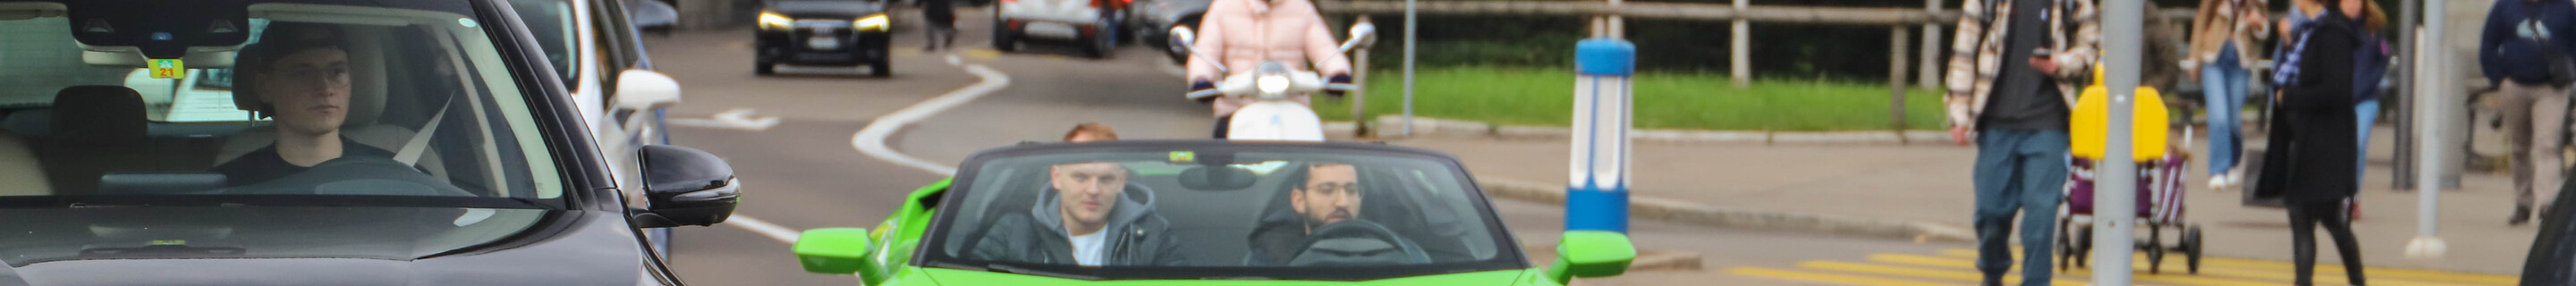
point(1244, 33)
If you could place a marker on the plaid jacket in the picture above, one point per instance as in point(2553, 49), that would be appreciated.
point(1976, 57)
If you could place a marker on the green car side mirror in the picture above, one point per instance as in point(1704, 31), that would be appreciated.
point(839, 250)
point(1591, 254)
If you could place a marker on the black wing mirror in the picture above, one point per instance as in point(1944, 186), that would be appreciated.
point(685, 186)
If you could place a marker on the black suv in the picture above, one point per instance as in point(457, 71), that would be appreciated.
point(824, 32)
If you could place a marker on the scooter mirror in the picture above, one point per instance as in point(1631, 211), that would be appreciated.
point(1362, 35)
point(1182, 38)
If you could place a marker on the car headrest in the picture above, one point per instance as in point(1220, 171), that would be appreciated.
point(366, 74)
point(98, 114)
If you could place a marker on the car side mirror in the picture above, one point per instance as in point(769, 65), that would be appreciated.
point(838, 250)
point(684, 186)
point(1591, 254)
point(645, 90)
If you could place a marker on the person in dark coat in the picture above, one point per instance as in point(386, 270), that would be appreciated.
point(2311, 161)
point(1090, 216)
point(942, 17)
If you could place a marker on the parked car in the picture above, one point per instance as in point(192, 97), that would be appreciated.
point(1154, 20)
point(825, 32)
point(594, 55)
point(127, 156)
point(1417, 218)
point(1092, 24)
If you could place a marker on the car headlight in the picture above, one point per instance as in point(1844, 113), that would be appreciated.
point(1272, 84)
point(774, 20)
point(871, 22)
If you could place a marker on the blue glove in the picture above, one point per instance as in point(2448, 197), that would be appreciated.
point(1338, 79)
point(1203, 85)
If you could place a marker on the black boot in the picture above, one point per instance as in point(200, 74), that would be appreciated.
point(2521, 215)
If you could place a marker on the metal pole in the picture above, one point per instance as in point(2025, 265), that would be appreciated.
point(1928, 72)
point(1411, 19)
point(2403, 173)
point(1896, 82)
point(2121, 25)
point(1740, 56)
point(1359, 98)
point(2430, 78)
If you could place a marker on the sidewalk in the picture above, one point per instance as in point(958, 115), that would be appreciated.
point(1929, 183)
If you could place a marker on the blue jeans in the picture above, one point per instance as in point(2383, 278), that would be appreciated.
point(2367, 112)
point(2223, 90)
point(2025, 171)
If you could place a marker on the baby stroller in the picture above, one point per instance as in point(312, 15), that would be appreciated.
point(2160, 181)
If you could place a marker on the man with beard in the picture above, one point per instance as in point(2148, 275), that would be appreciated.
point(1329, 193)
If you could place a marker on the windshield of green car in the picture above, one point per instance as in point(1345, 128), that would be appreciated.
point(1191, 211)
point(309, 103)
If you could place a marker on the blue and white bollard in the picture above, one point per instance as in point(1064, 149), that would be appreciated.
point(1596, 197)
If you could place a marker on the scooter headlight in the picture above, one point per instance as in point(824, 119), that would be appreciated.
point(1272, 84)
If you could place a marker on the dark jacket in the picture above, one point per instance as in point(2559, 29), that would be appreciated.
point(2311, 149)
point(1136, 235)
point(2504, 54)
point(1277, 239)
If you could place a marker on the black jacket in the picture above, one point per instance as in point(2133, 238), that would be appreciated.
point(2313, 148)
point(1136, 235)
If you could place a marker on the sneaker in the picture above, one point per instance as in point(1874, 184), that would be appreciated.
point(2218, 182)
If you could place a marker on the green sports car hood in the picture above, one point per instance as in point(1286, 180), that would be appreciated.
point(1496, 278)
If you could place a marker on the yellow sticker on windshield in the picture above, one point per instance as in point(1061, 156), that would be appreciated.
point(168, 68)
point(1184, 157)
point(170, 242)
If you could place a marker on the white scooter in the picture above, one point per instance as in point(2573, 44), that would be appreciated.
point(1272, 116)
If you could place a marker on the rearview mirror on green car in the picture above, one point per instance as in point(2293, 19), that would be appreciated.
point(1590, 254)
point(839, 250)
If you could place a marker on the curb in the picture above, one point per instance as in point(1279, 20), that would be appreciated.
point(1436, 127)
point(1640, 207)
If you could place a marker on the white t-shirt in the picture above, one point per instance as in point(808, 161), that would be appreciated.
point(1087, 248)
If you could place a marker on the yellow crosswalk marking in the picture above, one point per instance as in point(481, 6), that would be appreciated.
point(1970, 276)
point(2208, 263)
point(1959, 266)
point(2271, 275)
point(1829, 278)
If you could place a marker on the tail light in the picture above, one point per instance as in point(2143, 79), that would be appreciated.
point(1095, 3)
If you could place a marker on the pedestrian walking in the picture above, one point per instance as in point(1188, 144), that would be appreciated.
point(2013, 78)
point(2524, 60)
point(2310, 155)
point(941, 15)
point(2224, 35)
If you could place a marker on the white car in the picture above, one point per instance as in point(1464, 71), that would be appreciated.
point(610, 80)
point(1094, 24)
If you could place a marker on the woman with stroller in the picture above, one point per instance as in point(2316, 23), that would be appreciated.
point(2312, 158)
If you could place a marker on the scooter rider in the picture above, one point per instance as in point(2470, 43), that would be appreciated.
point(1244, 33)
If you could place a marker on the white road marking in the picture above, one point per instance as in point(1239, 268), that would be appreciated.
point(773, 231)
point(737, 118)
point(953, 60)
point(871, 140)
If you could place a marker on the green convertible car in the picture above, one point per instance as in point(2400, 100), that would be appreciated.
point(1202, 213)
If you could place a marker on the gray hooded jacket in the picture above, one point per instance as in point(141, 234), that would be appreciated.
point(1136, 235)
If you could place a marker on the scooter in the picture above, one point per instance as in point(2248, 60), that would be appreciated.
point(1272, 116)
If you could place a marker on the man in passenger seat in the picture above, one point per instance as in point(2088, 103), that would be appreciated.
point(1085, 218)
point(300, 75)
point(1329, 193)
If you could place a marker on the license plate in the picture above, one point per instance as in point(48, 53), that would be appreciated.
point(824, 43)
